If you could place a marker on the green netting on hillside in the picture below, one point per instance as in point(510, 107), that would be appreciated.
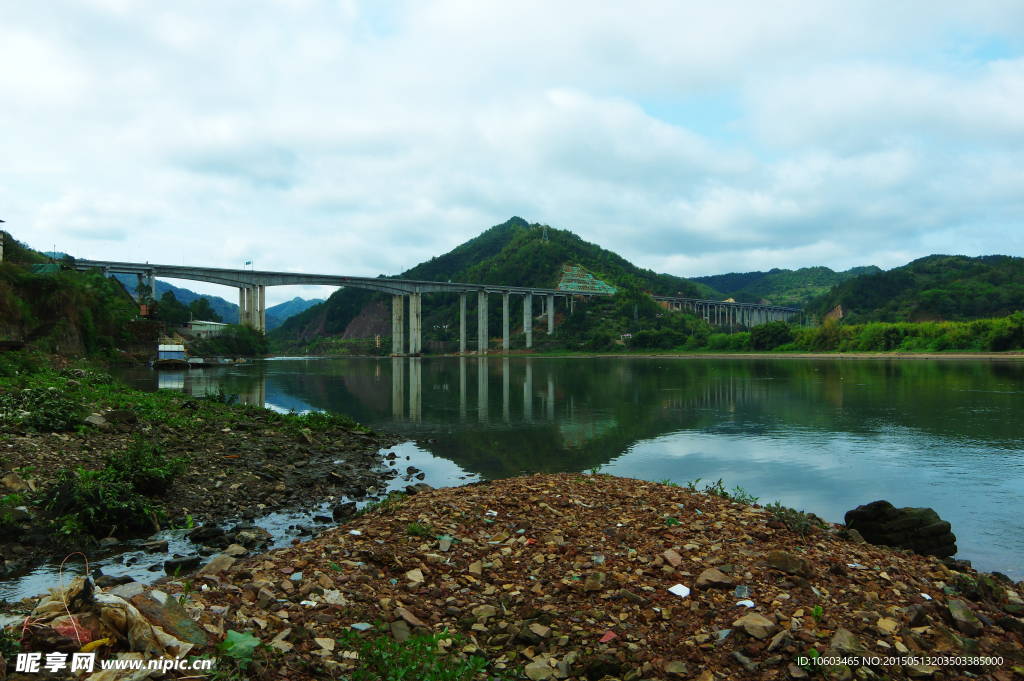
point(575, 278)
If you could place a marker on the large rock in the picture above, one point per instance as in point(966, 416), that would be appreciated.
point(920, 530)
point(965, 619)
point(790, 564)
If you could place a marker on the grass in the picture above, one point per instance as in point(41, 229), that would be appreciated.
point(427, 657)
point(798, 521)
point(419, 530)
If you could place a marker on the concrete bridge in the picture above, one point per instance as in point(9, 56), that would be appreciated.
point(721, 313)
point(252, 284)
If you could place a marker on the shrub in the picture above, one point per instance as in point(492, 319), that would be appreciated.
point(718, 341)
point(770, 336)
point(739, 341)
point(95, 502)
point(144, 467)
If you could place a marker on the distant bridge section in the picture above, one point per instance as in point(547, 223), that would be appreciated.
point(252, 284)
point(731, 314)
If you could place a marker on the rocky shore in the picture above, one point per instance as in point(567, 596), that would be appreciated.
point(596, 577)
point(240, 463)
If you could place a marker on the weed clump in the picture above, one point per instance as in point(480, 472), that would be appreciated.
point(39, 409)
point(428, 657)
point(84, 502)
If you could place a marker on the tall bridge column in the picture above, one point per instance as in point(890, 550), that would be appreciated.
point(415, 322)
point(241, 305)
point(462, 323)
point(504, 322)
point(397, 324)
point(138, 287)
point(263, 307)
point(481, 323)
point(528, 319)
point(551, 313)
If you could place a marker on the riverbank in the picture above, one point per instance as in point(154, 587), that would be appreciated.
point(1010, 356)
point(87, 461)
point(597, 577)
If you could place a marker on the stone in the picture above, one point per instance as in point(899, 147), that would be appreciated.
point(235, 550)
point(181, 566)
point(415, 577)
point(965, 619)
point(108, 542)
point(95, 420)
point(325, 643)
point(476, 568)
point(594, 581)
point(540, 630)
point(409, 617)
point(219, 564)
point(418, 488)
point(676, 668)
point(127, 591)
point(796, 672)
point(888, 625)
point(757, 625)
point(790, 564)
point(748, 665)
point(155, 546)
point(538, 671)
point(845, 642)
point(400, 630)
point(14, 514)
point(713, 579)
point(14, 483)
point(627, 595)
point(673, 558)
point(342, 511)
point(165, 612)
point(920, 530)
point(484, 611)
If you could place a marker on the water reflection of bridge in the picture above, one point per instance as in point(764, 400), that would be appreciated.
point(413, 387)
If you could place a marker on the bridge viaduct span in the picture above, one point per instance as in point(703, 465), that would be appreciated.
point(252, 286)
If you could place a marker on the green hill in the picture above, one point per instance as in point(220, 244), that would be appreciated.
point(937, 287)
point(780, 286)
point(514, 253)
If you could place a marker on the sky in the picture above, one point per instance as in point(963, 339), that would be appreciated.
point(353, 138)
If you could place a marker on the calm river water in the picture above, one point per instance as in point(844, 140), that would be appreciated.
point(821, 436)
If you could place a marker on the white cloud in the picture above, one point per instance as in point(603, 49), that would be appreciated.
point(365, 137)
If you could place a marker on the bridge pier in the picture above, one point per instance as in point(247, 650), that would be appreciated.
point(551, 313)
point(481, 323)
point(462, 323)
point(415, 322)
point(504, 322)
point(528, 319)
point(397, 324)
point(263, 307)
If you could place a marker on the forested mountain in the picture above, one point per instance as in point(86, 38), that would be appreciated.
point(946, 287)
point(228, 312)
point(283, 311)
point(780, 286)
point(514, 253)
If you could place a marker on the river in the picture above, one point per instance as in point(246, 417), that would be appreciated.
point(818, 435)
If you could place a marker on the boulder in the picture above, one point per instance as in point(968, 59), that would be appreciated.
point(965, 619)
point(920, 530)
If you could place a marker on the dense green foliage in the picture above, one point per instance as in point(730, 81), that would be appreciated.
point(513, 254)
point(175, 313)
point(779, 286)
point(991, 335)
point(938, 287)
point(233, 341)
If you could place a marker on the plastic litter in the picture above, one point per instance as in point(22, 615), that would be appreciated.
point(742, 592)
point(680, 590)
point(926, 596)
point(749, 604)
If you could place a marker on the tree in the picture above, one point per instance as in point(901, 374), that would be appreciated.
point(200, 309)
point(171, 311)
